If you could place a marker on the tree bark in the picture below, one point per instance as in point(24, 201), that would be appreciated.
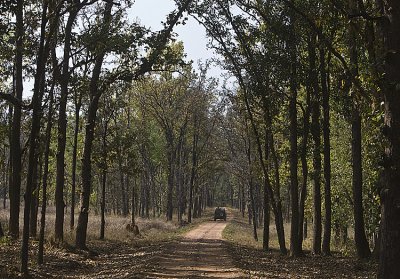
point(133, 213)
point(267, 213)
point(10, 153)
point(326, 243)
point(294, 191)
point(47, 142)
point(95, 94)
point(304, 168)
point(253, 215)
point(103, 181)
point(360, 238)
point(194, 167)
point(171, 162)
point(15, 145)
point(35, 199)
point(316, 135)
point(45, 176)
point(78, 104)
point(122, 180)
point(389, 267)
point(62, 127)
point(34, 134)
point(276, 204)
point(6, 176)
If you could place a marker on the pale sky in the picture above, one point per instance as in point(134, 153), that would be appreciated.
point(151, 12)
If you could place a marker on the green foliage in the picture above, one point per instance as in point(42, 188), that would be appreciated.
point(341, 171)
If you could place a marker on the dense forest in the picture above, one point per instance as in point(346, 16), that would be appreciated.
point(303, 129)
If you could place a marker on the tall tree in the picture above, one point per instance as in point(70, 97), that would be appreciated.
point(78, 104)
point(38, 91)
point(15, 145)
point(316, 136)
point(390, 191)
point(326, 242)
point(304, 166)
point(74, 9)
point(95, 93)
point(362, 245)
point(294, 188)
point(103, 177)
point(45, 174)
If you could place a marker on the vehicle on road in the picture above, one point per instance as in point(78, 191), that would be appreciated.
point(220, 213)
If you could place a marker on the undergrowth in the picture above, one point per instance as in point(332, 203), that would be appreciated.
point(240, 231)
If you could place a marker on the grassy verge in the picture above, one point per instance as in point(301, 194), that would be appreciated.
point(248, 255)
point(152, 229)
point(119, 246)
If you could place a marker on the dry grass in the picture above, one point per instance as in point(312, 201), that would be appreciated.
point(115, 230)
point(120, 253)
point(249, 255)
point(239, 231)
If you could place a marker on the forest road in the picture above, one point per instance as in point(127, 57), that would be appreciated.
point(200, 254)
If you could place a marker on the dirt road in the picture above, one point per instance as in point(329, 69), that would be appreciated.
point(200, 254)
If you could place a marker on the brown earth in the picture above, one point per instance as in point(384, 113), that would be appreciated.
point(200, 254)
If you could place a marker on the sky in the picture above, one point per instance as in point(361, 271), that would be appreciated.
point(151, 12)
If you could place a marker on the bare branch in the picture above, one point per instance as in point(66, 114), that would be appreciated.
point(15, 101)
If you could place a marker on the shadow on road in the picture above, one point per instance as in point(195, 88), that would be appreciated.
point(200, 254)
point(195, 258)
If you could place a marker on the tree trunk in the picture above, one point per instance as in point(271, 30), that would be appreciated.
point(178, 174)
point(360, 238)
point(6, 176)
point(389, 267)
point(15, 145)
point(326, 243)
point(304, 168)
point(81, 229)
point(267, 213)
point(120, 158)
point(305, 229)
point(45, 174)
point(62, 128)
point(180, 177)
point(133, 202)
point(95, 94)
point(171, 162)
point(294, 191)
point(34, 134)
point(35, 200)
point(194, 167)
point(252, 207)
point(317, 219)
point(103, 182)
point(78, 104)
point(316, 135)
point(295, 248)
point(276, 204)
point(122, 181)
point(10, 153)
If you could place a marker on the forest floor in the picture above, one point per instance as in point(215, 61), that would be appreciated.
point(207, 249)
